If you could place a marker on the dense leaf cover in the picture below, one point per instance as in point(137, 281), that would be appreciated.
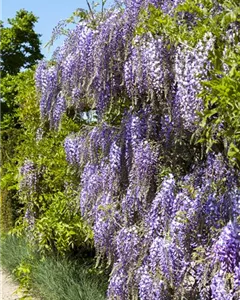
point(47, 191)
point(20, 44)
point(20, 49)
point(164, 212)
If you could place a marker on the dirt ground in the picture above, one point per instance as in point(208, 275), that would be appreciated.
point(7, 287)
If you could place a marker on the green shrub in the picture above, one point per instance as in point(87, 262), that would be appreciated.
point(47, 211)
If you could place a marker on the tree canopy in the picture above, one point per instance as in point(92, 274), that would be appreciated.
point(20, 44)
point(20, 49)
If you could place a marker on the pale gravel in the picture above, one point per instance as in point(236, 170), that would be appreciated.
point(8, 287)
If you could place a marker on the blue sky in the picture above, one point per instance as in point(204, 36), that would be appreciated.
point(50, 12)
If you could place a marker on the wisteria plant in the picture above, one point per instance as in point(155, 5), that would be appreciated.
point(164, 211)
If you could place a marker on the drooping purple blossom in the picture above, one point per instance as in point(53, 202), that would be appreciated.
point(191, 67)
point(58, 109)
point(226, 250)
point(70, 150)
point(141, 178)
point(29, 217)
point(151, 287)
point(127, 245)
point(49, 90)
point(106, 224)
point(40, 76)
point(218, 288)
point(118, 285)
point(161, 210)
point(28, 172)
point(144, 71)
point(115, 158)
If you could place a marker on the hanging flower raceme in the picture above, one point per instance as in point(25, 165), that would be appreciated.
point(141, 180)
point(29, 177)
point(161, 211)
point(147, 69)
point(218, 288)
point(226, 250)
point(191, 67)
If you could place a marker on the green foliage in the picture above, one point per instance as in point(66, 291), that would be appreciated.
point(57, 226)
point(20, 49)
point(22, 273)
point(20, 44)
point(52, 277)
point(13, 93)
point(220, 126)
point(13, 251)
point(6, 215)
point(61, 228)
point(221, 117)
point(176, 28)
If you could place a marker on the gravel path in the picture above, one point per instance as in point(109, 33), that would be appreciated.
point(7, 287)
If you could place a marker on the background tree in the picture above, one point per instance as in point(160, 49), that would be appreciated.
point(20, 49)
point(20, 44)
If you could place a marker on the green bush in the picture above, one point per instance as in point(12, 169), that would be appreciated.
point(48, 211)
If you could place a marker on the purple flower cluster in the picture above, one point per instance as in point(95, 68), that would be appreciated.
point(226, 250)
point(191, 67)
point(144, 71)
point(153, 234)
point(218, 289)
point(127, 245)
point(141, 177)
point(150, 289)
point(161, 211)
point(107, 221)
point(92, 145)
point(58, 109)
point(109, 62)
point(118, 285)
point(30, 218)
point(182, 220)
point(29, 176)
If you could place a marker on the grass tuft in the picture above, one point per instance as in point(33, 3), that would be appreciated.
point(53, 278)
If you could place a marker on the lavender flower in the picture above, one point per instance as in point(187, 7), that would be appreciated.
point(127, 245)
point(150, 287)
point(218, 289)
point(191, 67)
point(29, 176)
point(58, 110)
point(70, 150)
point(227, 248)
point(140, 180)
point(161, 209)
point(117, 288)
